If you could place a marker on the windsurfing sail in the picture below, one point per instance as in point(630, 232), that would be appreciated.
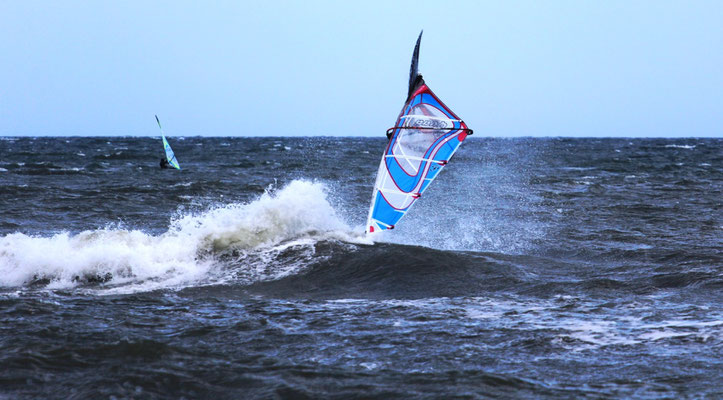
point(167, 147)
point(424, 138)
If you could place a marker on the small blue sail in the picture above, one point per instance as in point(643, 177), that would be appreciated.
point(167, 147)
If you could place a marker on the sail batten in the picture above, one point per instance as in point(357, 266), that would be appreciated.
point(425, 136)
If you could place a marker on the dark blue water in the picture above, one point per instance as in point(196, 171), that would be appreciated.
point(532, 268)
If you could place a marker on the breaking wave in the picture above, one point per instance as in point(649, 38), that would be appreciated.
point(234, 241)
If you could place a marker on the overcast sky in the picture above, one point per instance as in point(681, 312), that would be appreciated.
point(340, 68)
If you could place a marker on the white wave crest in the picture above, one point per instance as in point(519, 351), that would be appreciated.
point(298, 210)
point(122, 256)
point(184, 255)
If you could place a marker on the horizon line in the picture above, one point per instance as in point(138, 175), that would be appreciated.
point(471, 137)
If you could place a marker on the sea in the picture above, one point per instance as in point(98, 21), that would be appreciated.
point(534, 268)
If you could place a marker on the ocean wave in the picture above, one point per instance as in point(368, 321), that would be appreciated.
point(196, 249)
point(580, 326)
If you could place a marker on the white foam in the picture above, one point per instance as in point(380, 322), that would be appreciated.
point(128, 256)
point(298, 210)
point(369, 365)
point(187, 254)
point(623, 326)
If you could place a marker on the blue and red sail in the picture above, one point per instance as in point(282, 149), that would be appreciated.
point(424, 138)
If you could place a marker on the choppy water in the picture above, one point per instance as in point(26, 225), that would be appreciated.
point(533, 268)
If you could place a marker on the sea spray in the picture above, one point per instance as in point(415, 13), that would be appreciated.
point(188, 253)
point(300, 209)
point(110, 255)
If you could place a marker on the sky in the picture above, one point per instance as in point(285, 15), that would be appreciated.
point(340, 68)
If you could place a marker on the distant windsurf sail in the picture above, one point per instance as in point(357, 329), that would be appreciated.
point(167, 147)
point(425, 137)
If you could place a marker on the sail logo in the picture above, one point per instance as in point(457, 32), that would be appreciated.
point(432, 123)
